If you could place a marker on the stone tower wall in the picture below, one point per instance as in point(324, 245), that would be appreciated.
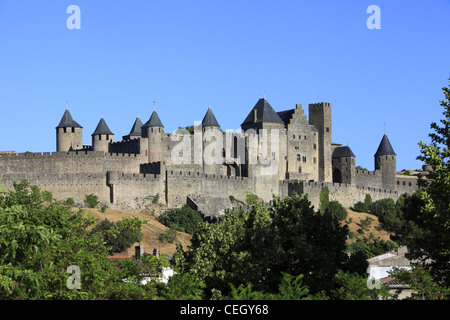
point(320, 117)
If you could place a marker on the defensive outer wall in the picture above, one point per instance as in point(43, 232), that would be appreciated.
point(117, 181)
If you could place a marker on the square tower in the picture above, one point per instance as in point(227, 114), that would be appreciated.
point(320, 117)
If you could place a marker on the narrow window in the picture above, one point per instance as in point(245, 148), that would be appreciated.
point(73, 130)
point(328, 129)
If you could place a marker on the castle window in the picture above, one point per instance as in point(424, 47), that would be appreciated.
point(328, 129)
point(404, 183)
point(299, 169)
point(152, 130)
point(410, 184)
point(298, 157)
point(398, 183)
point(314, 159)
point(293, 137)
point(65, 130)
point(159, 129)
point(299, 137)
point(107, 137)
point(73, 130)
point(304, 159)
point(314, 146)
point(305, 137)
point(386, 157)
point(99, 137)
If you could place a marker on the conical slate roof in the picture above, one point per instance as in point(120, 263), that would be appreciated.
point(210, 120)
point(341, 152)
point(385, 148)
point(154, 121)
point(67, 121)
point(264, 113)
point(136, 129)
point(102, 128)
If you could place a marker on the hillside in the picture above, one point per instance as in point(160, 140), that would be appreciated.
point(354, 223)
point(151, 231)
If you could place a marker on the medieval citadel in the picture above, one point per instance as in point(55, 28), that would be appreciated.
point(275, 153)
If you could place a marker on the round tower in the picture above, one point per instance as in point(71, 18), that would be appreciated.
point(212, 144)
point(69, 134)
point(343, 165)
point(386, 161)
point(102, 137)
point(153, 130)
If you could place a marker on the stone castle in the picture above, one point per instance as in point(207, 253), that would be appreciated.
point(274, 153)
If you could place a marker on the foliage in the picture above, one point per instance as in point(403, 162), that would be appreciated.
point(352, 286)
point(420, 281)
point(121, 235)
point(324, 199)
point(336, 210)
point(185, 219)
point(251, 199)
point(182, 287)
point(91, 200)
point(38, 243)
point(69, 202)
point(228, 253)
point(169, 235)
point(434, 219)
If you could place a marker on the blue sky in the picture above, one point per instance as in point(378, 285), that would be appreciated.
point(186, 55)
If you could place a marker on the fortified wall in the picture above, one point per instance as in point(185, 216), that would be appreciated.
point(346, 194)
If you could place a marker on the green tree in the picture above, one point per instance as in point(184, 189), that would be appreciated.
point(39, 242)
point(291, 238)
point(121, 235)
point(324, 199)
point(337, 210)
point(185, 219)
point(352, 286)
point(434, 242)
point(91, 200)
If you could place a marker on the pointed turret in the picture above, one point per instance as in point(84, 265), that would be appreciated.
point(67, 121)
point(262, 113)
point(102, 137)
point(210, 120)
point(386, 162)
point(153, 129)
point(385, 147)
point(69, 134)
point(154, 121)
point(136, 130)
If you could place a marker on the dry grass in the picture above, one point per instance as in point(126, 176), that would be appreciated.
point(150, 231)
point(373, 228)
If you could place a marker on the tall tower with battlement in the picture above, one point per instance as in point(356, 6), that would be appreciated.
point(320, 117)
point(102, 137)
point(386, 161)
point(153, 130)
point(69, 134)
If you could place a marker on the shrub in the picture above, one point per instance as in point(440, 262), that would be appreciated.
point(91, 200)
point(251, 199)
point(103, 209)
point(155, 198)
point(69, 202)
point(185, 219)
point(360, 207)
point(337, 210)
point(47, 196)
point(123, 240)
point(324, 199)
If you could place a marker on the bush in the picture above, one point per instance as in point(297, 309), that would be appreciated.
point(103, 209)
point(169, 235)
point(336, 210)
point(324, 199)
point(360, 207)
point(47, 196)
point(91, 200)
point(124, 239)
point(69, 202)
point(251, 199)
point(185, 219)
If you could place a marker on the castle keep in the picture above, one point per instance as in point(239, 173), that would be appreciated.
point(275, 153)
